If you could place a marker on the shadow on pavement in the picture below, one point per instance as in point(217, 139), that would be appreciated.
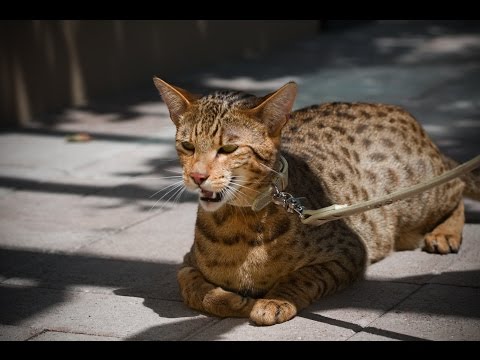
point(155, 282)
point(95, 135)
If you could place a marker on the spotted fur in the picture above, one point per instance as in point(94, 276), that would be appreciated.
point(267, 265)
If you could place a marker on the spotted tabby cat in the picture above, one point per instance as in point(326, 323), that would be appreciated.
point(266, 264)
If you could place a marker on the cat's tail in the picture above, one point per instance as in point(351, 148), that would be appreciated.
point(471, 179)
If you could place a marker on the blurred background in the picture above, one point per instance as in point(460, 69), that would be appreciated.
point(55, 72)
point(46, 65)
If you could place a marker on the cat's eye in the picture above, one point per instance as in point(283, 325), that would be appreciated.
point(188, 146)
point(227, 149)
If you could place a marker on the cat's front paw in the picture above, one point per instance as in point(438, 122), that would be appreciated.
point(272, 311)
point(226, 303)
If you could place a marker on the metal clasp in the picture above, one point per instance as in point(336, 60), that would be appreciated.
point(287, 201)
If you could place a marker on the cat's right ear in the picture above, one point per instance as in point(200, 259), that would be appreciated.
point(177, 100)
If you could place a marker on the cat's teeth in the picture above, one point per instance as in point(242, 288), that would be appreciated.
point(210, 196)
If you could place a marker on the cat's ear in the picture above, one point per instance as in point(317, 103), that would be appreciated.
point(275, 108)
point(177, 100)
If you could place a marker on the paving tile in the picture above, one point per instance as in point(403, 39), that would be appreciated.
point(156, 160)
point(436, 312)
point(5, 192)
point(415, 267)
point(64, 336)
point(23, 150)
point(365, 336)
point(97, 314)
point(166, 236)
point(465, 269)
point(469, 251)
point(90, 274)
point(44, 222)
point(41, 179)
point(360, 304)
point(20, 182)
point(419, 267)
point(294, 330)
point(460, 274)
point(140, 261)
point(142, 196)
point(17, 333)
point(62, 221)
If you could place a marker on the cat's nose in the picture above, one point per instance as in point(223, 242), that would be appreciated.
point(198, 178)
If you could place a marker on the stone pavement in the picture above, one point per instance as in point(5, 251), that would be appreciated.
point(89, 251)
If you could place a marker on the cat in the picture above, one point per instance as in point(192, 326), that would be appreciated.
point(264, 264)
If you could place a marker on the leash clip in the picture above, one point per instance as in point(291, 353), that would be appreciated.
point(288, 202)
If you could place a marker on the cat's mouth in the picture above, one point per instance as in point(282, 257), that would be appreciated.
point(210, 196)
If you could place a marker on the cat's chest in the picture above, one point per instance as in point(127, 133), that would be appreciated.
point(247, 259)
point(240, 267)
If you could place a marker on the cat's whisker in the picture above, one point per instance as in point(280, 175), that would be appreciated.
point(175, 184)
point(176, 194)
point(158, 177)
point(269, 168)
point(174, 171)
point(179, 195)
point(174, 188)
point(234, 192)
point(164, 204)
point(244, 186)
point(259, 183)
point(239, 181)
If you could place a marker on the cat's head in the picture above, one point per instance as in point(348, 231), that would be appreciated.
point(228, 141)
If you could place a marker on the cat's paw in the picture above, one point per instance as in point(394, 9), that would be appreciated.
point(436, 242)
point(272, 311)
point(226, 303)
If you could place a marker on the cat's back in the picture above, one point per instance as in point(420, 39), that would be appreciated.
point(347, 153)
point(370, 137)
point(355, 124)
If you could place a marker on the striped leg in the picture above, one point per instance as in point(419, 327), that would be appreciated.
point(201, 295)
point(297, 290)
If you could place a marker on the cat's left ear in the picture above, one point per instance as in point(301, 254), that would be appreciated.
point(177, 100)
point(276, 107)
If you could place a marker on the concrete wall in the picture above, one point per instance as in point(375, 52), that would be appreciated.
point(45, 65)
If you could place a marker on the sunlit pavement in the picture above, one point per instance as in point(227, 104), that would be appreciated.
point(89, 249)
